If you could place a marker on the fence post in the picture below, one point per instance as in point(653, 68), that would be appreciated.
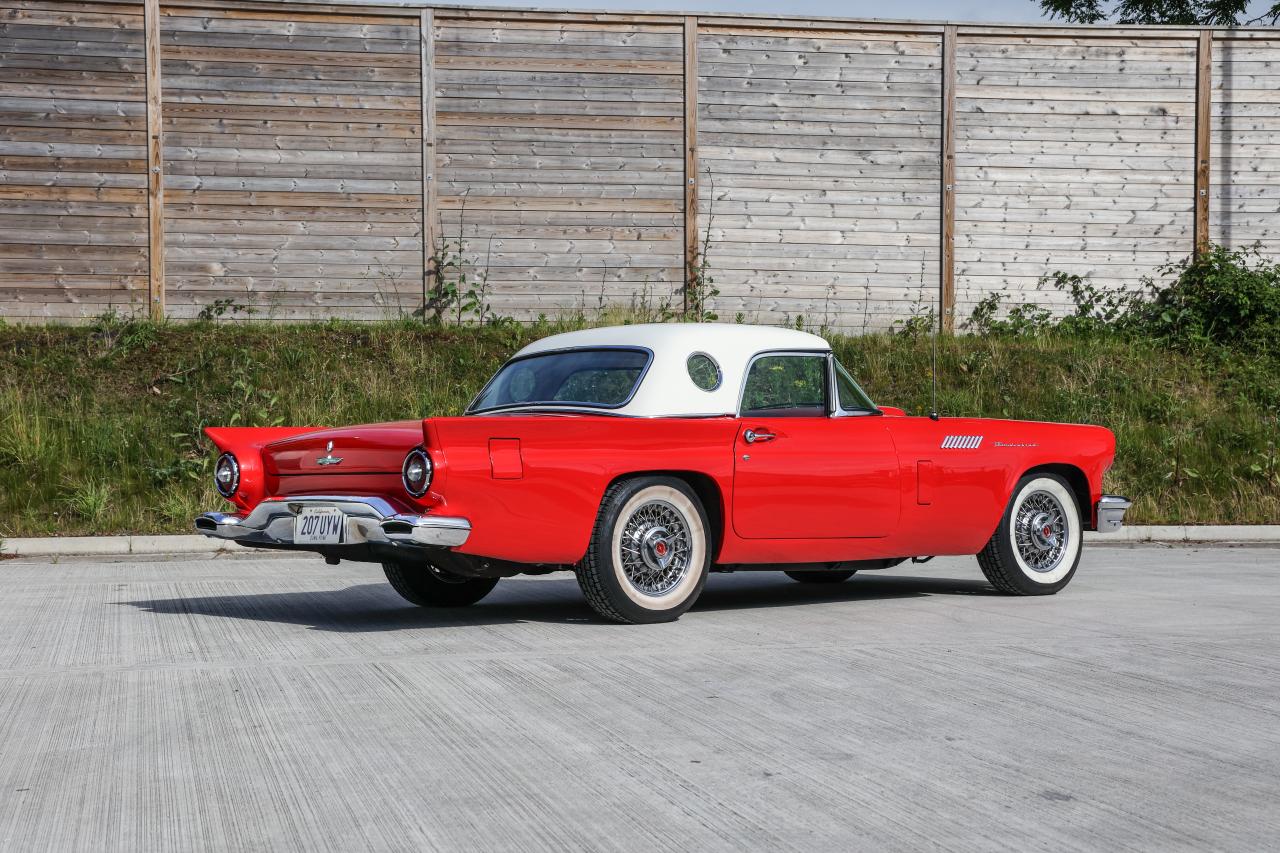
point(947, 238)
point(427, 40)
point(1204, 121)
point(155, 161)
point(691, 259)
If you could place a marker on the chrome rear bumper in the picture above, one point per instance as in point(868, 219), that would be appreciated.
point(1111, 510)
point(369, 522)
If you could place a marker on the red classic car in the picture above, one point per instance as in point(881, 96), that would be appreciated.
point(643, 457)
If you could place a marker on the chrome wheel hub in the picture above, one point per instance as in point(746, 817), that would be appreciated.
point(1040, 532)
point(655, 548)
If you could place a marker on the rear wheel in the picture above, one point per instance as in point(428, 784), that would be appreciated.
point(832, 575)
point(649, 556)
point(1036, 548)
point(431, 585)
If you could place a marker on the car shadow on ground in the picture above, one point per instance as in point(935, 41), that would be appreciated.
point(372, 607)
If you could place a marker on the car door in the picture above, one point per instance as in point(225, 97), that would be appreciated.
point(804, 468)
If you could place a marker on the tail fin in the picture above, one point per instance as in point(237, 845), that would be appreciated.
point(245, 444)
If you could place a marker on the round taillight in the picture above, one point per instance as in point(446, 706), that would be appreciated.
point(226, 475)
point(416, 472)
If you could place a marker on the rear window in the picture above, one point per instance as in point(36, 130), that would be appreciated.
point(594, 378)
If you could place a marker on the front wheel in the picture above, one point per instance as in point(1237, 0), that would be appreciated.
point(648, 557)
point(1036, 548)
point(432, 586)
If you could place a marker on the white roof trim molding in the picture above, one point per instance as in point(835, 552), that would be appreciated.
point(667, 389)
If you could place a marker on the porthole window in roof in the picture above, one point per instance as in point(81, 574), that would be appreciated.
point(704, 371)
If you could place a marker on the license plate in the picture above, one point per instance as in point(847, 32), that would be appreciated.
point(319, 526)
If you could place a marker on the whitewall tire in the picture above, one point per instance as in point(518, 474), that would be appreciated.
point(649, 552)
point(1036, 548)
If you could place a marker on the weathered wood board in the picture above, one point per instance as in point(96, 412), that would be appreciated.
point(819, 166)
point(559, 160)
point(73, 160)
point(293, 164)
point(307, 149)
point(1244, 145)
point(1074, 156)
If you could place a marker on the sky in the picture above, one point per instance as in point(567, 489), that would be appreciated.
point(1003, 11)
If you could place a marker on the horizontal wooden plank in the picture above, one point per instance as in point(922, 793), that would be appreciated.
point(819, 51)
point(32, 178)
point(55, 15)
point(603, 122)
point(561, 65)
point(177, 20)
point(292, 85)
point(179, 111)
point(18, 163)
point(587, 95)
point(353, 175)
point(326, 13)
point(325, 209)
point(70, 33)
point(298, 198)
point(201, 53)
point(453, 51)
point(517, 110)
point(567, 35)
point(407, 187)
point(68, 47)
point(605, 166)
point(302, 127)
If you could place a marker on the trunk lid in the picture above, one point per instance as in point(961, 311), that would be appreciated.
point(366, 449)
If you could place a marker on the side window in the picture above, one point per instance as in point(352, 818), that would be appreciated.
point(852, 397)
point(786, 386)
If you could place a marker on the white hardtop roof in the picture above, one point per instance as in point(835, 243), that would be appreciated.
point(667, 390)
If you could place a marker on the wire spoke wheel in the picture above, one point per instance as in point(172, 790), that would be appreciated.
point(649, 555)
point(655, 548)
point(1041, 532)
point(1037, 545)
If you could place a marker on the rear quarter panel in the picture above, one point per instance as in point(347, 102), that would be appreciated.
point(546, 513)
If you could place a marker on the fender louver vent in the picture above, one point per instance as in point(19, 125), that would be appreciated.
point(961, 442)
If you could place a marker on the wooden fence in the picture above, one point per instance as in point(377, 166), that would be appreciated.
point(308, 160)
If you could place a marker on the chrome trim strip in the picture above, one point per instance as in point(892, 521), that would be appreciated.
point(369, 520)
point(1111, 510)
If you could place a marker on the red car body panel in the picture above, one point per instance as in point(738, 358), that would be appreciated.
point(823, 489)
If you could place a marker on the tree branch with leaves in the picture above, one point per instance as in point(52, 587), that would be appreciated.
point(1186, 13)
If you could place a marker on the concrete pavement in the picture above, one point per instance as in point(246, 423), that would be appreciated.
point(266, 702)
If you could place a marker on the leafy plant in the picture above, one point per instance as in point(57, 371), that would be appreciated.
point(221, 307)
point(1219, 296)
point(700, 287)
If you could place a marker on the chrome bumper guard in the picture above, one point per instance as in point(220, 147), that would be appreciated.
point(369, 521)
point(1111, 510)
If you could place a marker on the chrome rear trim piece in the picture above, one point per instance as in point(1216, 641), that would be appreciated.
point(1111, 510)
point(368, 520)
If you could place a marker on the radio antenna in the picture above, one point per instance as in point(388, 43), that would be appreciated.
point(933, 362)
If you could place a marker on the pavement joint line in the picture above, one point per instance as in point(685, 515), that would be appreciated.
point(49, 546)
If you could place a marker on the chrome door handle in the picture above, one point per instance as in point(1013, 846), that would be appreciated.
point(754, 435)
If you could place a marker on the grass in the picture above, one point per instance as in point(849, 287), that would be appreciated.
point(100, 425)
